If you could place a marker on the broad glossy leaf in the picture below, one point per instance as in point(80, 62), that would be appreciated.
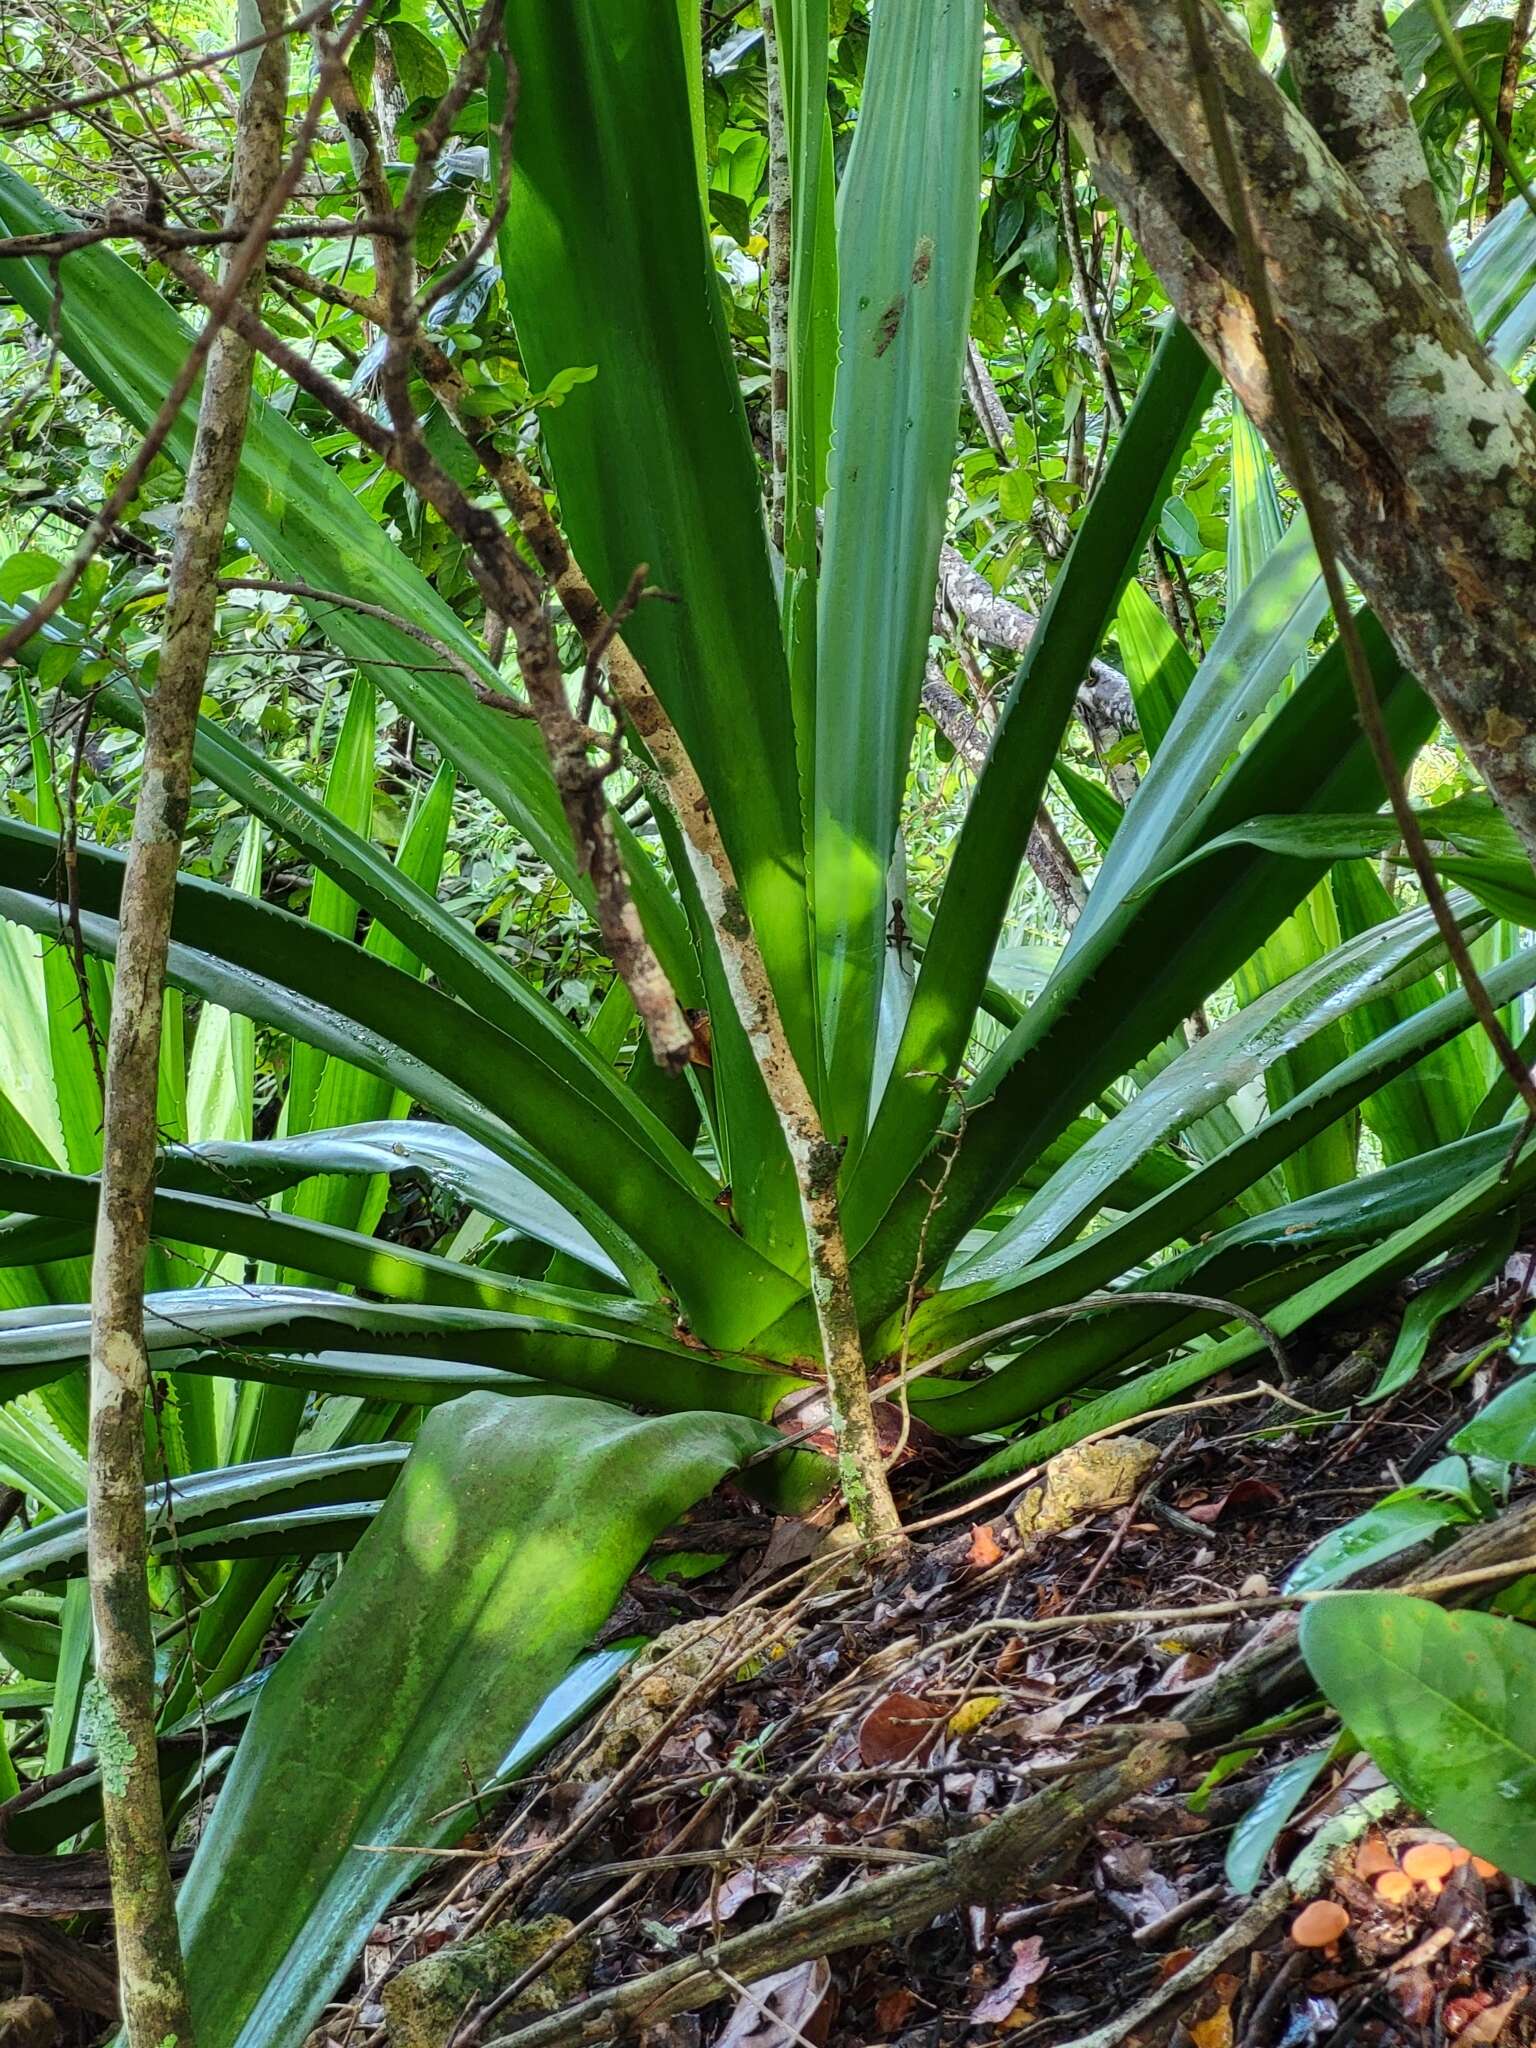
point(494, 1562)
point(1446, 1705)
point(1506, 1428)
point(1395, 1524)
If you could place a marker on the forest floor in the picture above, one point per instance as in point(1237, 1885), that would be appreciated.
point(798, 1734)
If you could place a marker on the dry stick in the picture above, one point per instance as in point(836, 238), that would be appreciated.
point(150, 1968)
point(1022, 1849)
point(1504, 109)
point(1319, 517)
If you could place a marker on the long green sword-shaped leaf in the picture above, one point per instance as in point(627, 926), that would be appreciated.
point(802, 32)
point(1461, 1215)
point(955, 1315)
point(494, 1562)
point(309, 528)
point(906, 223)
point(654, 465)
point(1305, 1007)
point(1039, 703)
point(603, 1351)
point(439, 1052)
point(1142, 974)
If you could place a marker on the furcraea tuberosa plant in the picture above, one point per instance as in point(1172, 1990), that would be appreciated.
point(821, 1178)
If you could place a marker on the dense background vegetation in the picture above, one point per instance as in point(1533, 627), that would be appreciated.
point(1039, 847)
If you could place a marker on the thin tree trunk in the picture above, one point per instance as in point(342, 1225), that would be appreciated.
point(151, 1977)
point(1504, 112)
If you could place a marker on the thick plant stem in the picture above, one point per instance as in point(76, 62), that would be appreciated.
point(151, 1978)
point(518, 597)
point(815, 1158)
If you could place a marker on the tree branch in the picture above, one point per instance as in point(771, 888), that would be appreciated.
point(1019, 1851)
point(150, 1971)
point(1415, 436)
point(1351, 88)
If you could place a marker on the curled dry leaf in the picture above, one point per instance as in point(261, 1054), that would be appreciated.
point(1252, 1494)
point(793, 2006)
point(1029, 1966)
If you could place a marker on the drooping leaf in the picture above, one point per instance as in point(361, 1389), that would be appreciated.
point(496, 1559)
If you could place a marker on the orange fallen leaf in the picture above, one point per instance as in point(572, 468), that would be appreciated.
point(894, 2008)
point(900, 1729)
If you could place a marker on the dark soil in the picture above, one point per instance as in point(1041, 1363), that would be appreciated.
point(801, 1732)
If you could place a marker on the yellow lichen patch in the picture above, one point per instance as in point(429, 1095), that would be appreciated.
point(1500, 730)
point(1084, 1481)
point(970, 1714)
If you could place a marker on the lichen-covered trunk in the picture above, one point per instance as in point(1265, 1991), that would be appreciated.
point(152, 1987)
point(1423, 448)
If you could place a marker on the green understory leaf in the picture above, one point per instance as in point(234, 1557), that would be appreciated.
point(1446, 1705)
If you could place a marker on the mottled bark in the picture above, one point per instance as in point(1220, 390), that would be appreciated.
point(1426, 453)
point(967, 600)
point(1351, 88)
point(151, 1978)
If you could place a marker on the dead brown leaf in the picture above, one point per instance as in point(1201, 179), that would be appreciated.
point(900, 1729)
point(1029, 1966)
point(783, 2010)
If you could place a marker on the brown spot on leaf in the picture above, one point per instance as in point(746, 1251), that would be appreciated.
point(922, 262)
point(890, 323)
